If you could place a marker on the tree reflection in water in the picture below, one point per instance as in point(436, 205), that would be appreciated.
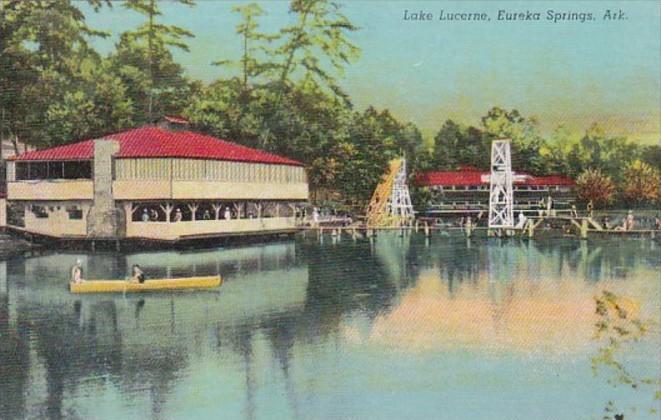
point(292, 304)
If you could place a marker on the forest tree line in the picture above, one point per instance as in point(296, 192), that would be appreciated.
point(284, 96)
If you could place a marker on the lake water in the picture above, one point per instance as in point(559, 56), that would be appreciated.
point(398, 327)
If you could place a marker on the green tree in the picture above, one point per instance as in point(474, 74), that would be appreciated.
point(145, 63)
point(446, 143)
point(641, 183)
point(95, 105)
point(16, 70)
point(255, 44)
point(597, 150)
point(371, 144)
point(557, 150)
point(456, 146)
point(411, 144)
point(594, 186)
point(524, 134)
point(651, 155)
point(44, 48)
point(219, 109)
point(319, 35)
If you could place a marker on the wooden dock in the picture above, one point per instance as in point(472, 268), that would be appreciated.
point(582, 225)
point(578, 226)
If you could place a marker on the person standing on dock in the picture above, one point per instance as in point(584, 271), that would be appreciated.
point(540, 211)
point(630, 221)
point(315, 216)
point(178, 216)
point(77, 272)
point(590, 208)
point(228, 213)
point(145, 215)
point(522, 220)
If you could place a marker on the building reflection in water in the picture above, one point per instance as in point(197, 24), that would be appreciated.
point(282, 308)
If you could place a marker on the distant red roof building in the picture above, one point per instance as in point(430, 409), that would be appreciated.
point(154, 142)
point(475, 177)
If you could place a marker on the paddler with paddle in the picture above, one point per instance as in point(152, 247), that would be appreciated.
point(137, 275)
point(77, 272)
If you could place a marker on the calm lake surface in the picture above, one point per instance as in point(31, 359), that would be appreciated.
point(402, 327)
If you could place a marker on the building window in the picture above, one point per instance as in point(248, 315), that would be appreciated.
point(21, 171)
point(16, 214)
point(75, 213)
point(38, 170)
point(53, 170)
point(77, 170)
point(40, 212)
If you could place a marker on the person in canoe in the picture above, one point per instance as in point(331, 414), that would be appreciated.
point(77, 272)
point(137, 275)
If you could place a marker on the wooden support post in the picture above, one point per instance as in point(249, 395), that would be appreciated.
point(193, 209)
point(167, 209)
point(216, 210)
point(416, 226)
point(427, 229)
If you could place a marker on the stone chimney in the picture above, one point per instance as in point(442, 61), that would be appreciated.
point(173, 123)
point(104, 219)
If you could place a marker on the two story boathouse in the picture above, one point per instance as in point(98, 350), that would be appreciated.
point(153, 183)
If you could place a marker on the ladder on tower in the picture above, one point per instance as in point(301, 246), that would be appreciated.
point(390, 205)
point(501, 200)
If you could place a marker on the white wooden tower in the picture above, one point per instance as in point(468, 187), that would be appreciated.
point(391, 202)
point(400, 204)
point(501, 212)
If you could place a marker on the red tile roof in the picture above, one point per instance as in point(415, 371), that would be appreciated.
point(550, 180)
point(471, 177)
point(464, 178)
point(153, 142)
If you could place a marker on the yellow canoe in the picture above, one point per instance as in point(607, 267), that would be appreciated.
point(123, 286)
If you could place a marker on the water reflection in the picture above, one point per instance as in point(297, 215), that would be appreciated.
point(294, 321)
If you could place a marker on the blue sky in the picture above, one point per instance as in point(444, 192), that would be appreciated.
point(567, 73)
